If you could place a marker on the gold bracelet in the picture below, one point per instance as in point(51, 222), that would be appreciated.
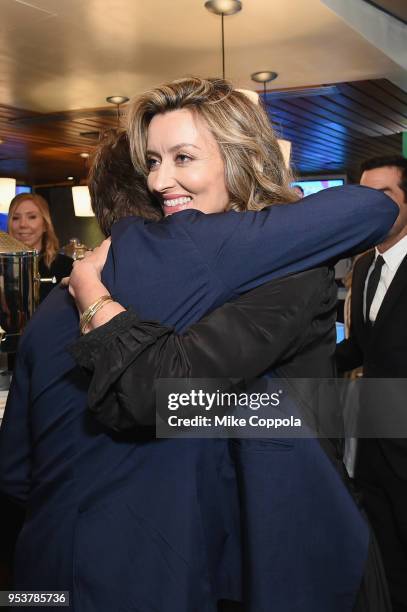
point(90, 312)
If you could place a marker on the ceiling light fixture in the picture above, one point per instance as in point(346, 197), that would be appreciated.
point(118, 101)
point(266, 76)
point(222, 8)
point(7, 193)
point(80, 194)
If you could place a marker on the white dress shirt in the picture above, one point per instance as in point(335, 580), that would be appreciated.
point(392, 260)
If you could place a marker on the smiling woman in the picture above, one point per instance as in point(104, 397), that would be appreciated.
point(29, 221)
point(224, 141)
point(26, 223)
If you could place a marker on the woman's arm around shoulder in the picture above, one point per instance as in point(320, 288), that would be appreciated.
point(250, 248)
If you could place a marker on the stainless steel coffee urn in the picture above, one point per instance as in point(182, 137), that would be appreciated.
point(19, 290)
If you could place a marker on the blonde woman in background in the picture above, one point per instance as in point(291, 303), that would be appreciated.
point(29, 221)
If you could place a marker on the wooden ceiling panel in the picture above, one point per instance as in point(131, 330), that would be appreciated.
point(45, 148)
point(326, 136)
point(373, 102)
point(359, 120)
point(394, 93)
point(329, 133)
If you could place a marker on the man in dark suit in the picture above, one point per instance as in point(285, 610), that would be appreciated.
point(378, 341)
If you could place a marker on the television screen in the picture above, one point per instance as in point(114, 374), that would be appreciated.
point(340, 332)
point(314, 185)
point(23, 189)
point(3, 222)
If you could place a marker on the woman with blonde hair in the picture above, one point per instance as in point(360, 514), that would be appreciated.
point(29, 221)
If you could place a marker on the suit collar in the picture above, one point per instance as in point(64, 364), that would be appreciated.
point(395, 254)
point(397, 285)
point(359, 278)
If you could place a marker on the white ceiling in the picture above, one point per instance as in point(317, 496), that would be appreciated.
point(70, 54)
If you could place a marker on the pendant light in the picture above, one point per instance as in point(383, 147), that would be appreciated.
point(266, 76)
point(81, 201)
point(7, 193)
point(222, 8)
point(118, 101)
point(81, 196)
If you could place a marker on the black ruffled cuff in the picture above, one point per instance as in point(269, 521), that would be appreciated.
point(123, 329)
point(86, 350)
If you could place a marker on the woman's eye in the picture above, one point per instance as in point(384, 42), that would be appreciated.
point(152, 163)
point(182, 158)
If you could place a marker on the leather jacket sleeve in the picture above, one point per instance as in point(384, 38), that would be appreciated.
point(235, 343)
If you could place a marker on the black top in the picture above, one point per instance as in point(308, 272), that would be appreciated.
point(60, 267)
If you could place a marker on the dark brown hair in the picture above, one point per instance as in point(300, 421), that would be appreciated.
point(116, 188)
point(392, 161)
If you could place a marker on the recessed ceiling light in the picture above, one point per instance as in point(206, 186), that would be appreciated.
point(84, 155)
point(69, 178)
point(117, 99)
point(264, 76)
point(223, 7)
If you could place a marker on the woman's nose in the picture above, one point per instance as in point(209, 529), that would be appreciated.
point(162, 178)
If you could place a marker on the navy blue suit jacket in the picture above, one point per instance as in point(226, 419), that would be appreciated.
point(148, 524)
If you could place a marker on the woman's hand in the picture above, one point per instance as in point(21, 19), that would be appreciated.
point(86, 287)
point(98, 256)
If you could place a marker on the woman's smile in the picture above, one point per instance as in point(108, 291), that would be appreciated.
point(173, 203)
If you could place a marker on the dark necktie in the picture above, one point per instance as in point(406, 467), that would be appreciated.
point(372, 285)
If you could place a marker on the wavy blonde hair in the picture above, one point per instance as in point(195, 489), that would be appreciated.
point(255, 172)
point(50, 242)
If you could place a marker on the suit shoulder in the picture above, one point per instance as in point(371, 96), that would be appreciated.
point(364, 257)
point(55, 320)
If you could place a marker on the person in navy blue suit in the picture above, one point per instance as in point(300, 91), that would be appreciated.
point(127, 522)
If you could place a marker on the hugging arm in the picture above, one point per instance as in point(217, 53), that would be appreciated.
point(235, 343)
point(283, 239)
point(289, 238)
